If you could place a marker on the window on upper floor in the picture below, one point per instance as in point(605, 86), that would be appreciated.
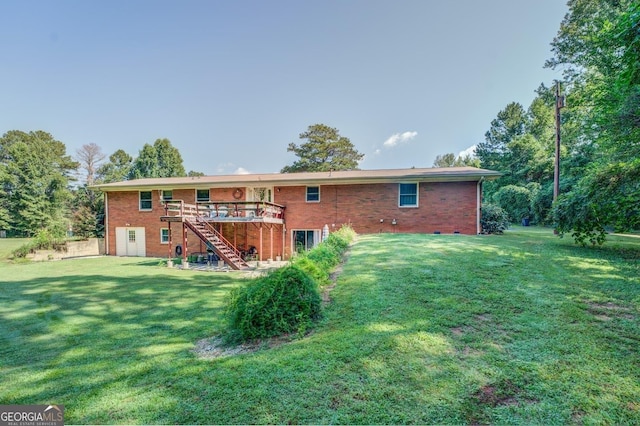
point(408, 195)
point(167, 195)
point(313, 194)
point(145, 200)
point(202, 195)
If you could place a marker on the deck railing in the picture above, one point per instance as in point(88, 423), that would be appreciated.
point(224, 209)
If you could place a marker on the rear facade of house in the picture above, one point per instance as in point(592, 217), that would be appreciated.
point(270, 216)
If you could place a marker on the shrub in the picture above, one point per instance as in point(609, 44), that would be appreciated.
point(22, 251)
point(341, 239)
point(319, 274)
point(46, 239)
point(325, 255)
point(515, 200)
point(494, 220)
point(286, 300)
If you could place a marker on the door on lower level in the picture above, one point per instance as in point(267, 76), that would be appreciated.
point(305, 239)
point(130, 242)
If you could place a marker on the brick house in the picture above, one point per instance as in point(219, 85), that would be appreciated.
point(269, 216)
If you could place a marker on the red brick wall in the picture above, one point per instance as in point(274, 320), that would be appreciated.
point(446, 207)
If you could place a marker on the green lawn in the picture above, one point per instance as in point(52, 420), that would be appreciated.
point(520, 328)
point(8, 245)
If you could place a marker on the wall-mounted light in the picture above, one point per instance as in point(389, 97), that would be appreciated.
point(381, 220)
point(394, 222)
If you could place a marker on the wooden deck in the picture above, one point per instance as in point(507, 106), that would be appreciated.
point(224, 212)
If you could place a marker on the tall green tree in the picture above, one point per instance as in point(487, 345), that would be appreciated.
point(509, 123)
point(598, 46)
point(324, 150)
point(37, 173)
point(451, 160)
point(116, 169)
point(158, 160)
point(5, 219)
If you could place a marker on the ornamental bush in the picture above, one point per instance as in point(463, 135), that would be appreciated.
point(494, 220)
point(286, 300)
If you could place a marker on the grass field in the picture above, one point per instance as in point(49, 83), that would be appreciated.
point(520, 328)
point(8, 245)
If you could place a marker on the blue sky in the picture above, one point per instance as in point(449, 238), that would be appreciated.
point(232, 83)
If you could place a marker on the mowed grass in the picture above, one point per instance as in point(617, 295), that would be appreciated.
point(8, 245)
point(520, 328)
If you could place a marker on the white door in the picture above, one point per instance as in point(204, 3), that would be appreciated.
point(130, 242)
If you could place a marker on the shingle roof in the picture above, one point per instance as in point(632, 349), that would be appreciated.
point(448, 174)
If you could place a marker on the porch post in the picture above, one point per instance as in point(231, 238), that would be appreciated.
point(271, 242)
point(260, 255)
point(170, 239)
point(185, 264)
point(284, 237)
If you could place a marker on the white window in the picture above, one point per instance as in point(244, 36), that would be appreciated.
point(167, 195)
point(313, 194)
point(202, 195)
point(408, 195)
point(145, 200)
point(164, 236)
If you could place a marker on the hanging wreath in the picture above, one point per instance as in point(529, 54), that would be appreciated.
point(237, 194)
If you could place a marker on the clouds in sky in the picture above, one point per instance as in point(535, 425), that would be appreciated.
point(471, 152)
point(399, 138)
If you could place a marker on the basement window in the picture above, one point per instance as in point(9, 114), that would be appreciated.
point(408, 195)
point(164, 236)
point(145, 200)
point(313, 194)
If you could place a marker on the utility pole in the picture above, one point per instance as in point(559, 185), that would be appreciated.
point(556, 172)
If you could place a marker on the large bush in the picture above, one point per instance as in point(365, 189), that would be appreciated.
point(286, 300)
point(515, 200)
point(494, 220)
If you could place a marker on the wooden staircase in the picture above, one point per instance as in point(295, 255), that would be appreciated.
point(208, 234)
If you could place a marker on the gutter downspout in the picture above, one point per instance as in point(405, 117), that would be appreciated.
point(479, 206)
point(106, 223)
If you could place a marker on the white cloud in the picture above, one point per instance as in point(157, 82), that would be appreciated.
point(377, 151)
point(397, 138)
point(241, 171)
point(471, 152)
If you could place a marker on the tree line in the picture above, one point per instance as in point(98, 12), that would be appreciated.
point(43, 189)
point(597, 48)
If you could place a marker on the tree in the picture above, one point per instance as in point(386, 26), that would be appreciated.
point(158, 160)
point(117, 169)
point(450, 160)
point(5, 218)
point(37, 172)
point(193, 173)
point(90, 156)
point(509, 123)
point(598, 45)
point(325, 150)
